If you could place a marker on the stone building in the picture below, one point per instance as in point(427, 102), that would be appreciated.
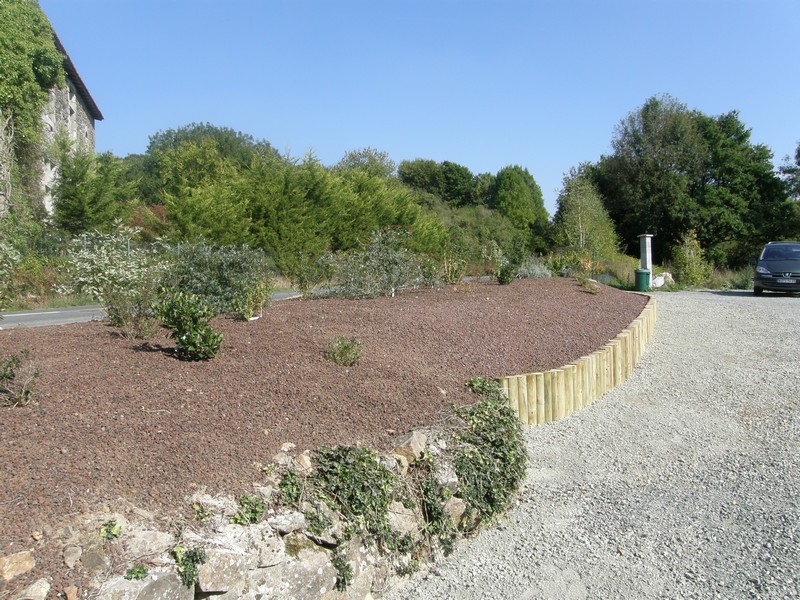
point(70, 109)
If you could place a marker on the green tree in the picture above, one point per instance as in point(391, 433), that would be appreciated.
point(88, 193)
point(421, 174)
point(374, 162)
point(518, 197)
point(457, 183)
point(581, 221)
point(675, 170)
point(790, 171)
point(30, 65)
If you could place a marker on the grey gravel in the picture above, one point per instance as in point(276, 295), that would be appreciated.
point(681, 483)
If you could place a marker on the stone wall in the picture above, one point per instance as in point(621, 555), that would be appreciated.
point(65, 112)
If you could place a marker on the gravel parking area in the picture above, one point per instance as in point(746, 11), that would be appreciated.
point(682, 483)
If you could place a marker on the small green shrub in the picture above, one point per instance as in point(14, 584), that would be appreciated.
point(453, 268)
point(188, 319)
point(291, 488)
point(18, 376)
point(110, 530)
point(691, 266)
point(726, 279)
point(532, 267)
point(344, 352)
point(188, 562)
point(504, 273)
point(251, 510)
point(136, 573)
point(382, 267)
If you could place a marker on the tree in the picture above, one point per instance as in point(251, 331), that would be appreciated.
point(422, 174)
point(456, 183)
point(674, 170)
point(88, 193)
point(581, 221)
point(790, 172)
point(30, 65)
point(518, 197)
point(368, 159)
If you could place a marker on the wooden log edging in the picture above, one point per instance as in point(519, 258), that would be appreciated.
point(538, 398)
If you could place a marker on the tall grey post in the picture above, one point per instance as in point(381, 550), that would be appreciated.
point(646, 251)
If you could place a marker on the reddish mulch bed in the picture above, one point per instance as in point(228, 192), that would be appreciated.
point(119, 418)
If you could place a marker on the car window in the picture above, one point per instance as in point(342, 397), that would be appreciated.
point(785, 252)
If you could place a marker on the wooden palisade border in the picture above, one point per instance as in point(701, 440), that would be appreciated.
point(538, 398)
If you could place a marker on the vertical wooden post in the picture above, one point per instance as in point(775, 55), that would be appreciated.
point(569, 389)
point(548, 396)
point(530, 382)
point(540, 403)
point(513, 398)
point(559, 394)
point(522, 395)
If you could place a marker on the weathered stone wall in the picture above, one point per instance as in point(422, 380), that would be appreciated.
point(65, 111)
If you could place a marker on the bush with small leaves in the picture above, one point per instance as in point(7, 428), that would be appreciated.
point(226, 278)
point(344, 352)
point(691, 266)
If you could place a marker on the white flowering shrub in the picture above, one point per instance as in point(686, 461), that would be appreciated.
point(9, 257)
point(119, 275)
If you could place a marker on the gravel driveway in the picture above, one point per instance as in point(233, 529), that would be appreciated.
point(682, 483)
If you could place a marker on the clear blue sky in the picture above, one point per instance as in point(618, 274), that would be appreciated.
point(486, 84)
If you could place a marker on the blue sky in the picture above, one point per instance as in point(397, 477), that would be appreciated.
point(485, 84)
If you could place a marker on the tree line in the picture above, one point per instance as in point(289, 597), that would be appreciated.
point(672, 172)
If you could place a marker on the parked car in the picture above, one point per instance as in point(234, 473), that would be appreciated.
point(777, 268)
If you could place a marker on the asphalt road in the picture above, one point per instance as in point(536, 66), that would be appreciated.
point(75, 314)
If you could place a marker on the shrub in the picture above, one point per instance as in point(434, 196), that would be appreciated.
point(491, 461)
point(225, 278)
point(691, 267)
point(532, 267)
point(382, 267)
point(9, 257)
point(344, 352)
point(504, 273)
point(251, 510)
point(188, 562)
point(187, 316)
point(17, 378)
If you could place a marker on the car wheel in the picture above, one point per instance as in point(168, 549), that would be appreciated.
point(757, 291)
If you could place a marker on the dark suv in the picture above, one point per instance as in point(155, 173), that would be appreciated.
point(778, 268)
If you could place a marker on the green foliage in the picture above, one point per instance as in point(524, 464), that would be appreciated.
point(30, 65)
point(251, 510)
point(89, 193)
point(110, 530)
point(202, 514)
point(318, 522)
point(731, 279)
point(490, 463)
point(188, 562)
point(691, 267)
point(532, 267)
point(187, 316)
point(674, 170)
point(9, 258)
point(370, 160)
point(100, 263)
point(352, 480)
point(344, 352)
point(382, 267)
point(344, 571)
point(518, 197)
point(225, 278)
point(136, 573)
point(291, 488)
point(17, 378)
point(504, 273)
point(581, 221)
